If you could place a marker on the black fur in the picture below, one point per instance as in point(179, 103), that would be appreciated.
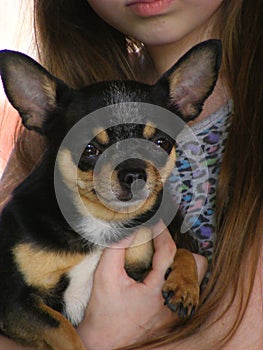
point(33, 215)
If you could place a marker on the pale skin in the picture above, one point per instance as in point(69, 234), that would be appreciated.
point(137, 309)
point(167, 37)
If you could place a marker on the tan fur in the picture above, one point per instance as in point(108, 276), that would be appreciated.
point(50, 88)
point(100, 211)
point(35, 120)
point(183, 281)
point(101, 136)
point(63, 337)
point(141, 250)
point(182, 93)
point(149, 130)
point(166, 171)
point(67, 168)
point(43, 269)
point(82, 184)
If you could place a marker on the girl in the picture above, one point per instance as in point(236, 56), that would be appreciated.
point(85, 41)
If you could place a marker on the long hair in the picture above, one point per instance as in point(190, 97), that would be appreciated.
point(240, 188)
point(75, 45)
point(78, 47)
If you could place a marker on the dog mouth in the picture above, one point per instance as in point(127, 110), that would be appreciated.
point(120, 197)
point(131, 188)
point(125, 185)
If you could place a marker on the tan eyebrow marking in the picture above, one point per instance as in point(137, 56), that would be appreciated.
point(101, 136)
point(149, 130)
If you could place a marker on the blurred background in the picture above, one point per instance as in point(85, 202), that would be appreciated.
point(16, 33)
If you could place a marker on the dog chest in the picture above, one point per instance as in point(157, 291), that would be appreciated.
point(78, 292)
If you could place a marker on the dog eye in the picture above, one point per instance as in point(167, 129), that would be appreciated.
point(163, 143)
point(91, 151)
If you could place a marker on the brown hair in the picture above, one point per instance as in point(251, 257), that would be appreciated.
point(68, 47)
point(240, 188)
point(79, 47)
point(73, 50)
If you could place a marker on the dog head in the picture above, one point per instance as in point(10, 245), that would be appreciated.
point(114, 182)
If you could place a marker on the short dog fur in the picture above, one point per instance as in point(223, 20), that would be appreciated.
point(46, 268)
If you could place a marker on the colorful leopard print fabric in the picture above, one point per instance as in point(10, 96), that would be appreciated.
point(199, 155)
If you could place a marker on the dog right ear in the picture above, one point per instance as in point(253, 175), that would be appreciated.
point(31, 89)
point(190, 81)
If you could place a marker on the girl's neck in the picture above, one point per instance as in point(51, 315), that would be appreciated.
point(165, 55)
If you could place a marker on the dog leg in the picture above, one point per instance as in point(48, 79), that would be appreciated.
point(138, 257)
point(63, 337)
point(41, 327)
point(181, 288)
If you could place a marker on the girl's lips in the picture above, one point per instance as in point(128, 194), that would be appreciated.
point(148, 8)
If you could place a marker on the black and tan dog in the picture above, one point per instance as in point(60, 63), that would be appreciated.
point(46, 266)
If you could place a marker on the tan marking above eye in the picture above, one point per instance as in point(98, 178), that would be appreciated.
point(165, 172)
point(101, 136)
point(149, 130)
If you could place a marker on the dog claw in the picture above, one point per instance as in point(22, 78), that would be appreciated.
point(183, 311)
point(192, 312)
point(167, 295)
point(181, 289)
point(167, 273)
point(173, 307)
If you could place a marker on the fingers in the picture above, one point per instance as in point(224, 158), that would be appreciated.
point(202, 266)
point(112, 262)
point(111, 266)
point(165, 250)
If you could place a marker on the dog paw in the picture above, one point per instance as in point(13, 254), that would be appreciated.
point(181, 289)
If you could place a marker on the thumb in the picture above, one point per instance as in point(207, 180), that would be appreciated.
point(202, 266)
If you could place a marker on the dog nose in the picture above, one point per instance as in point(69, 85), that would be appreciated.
point(127, 178)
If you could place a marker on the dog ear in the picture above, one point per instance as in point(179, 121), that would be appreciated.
point(30, 89)
point(192, 79)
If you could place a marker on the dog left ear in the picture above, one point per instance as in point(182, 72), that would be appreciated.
point(30, 89)
point(192, 79)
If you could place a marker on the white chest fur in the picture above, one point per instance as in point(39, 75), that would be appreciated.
point(77, 294)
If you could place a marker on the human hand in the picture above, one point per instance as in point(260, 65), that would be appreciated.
point(121, 310)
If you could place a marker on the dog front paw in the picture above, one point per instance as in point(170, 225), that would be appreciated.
point(181, 289)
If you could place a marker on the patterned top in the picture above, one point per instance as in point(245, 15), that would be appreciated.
point(194, 179)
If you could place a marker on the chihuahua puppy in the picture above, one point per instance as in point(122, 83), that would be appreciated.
point(46, 264)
